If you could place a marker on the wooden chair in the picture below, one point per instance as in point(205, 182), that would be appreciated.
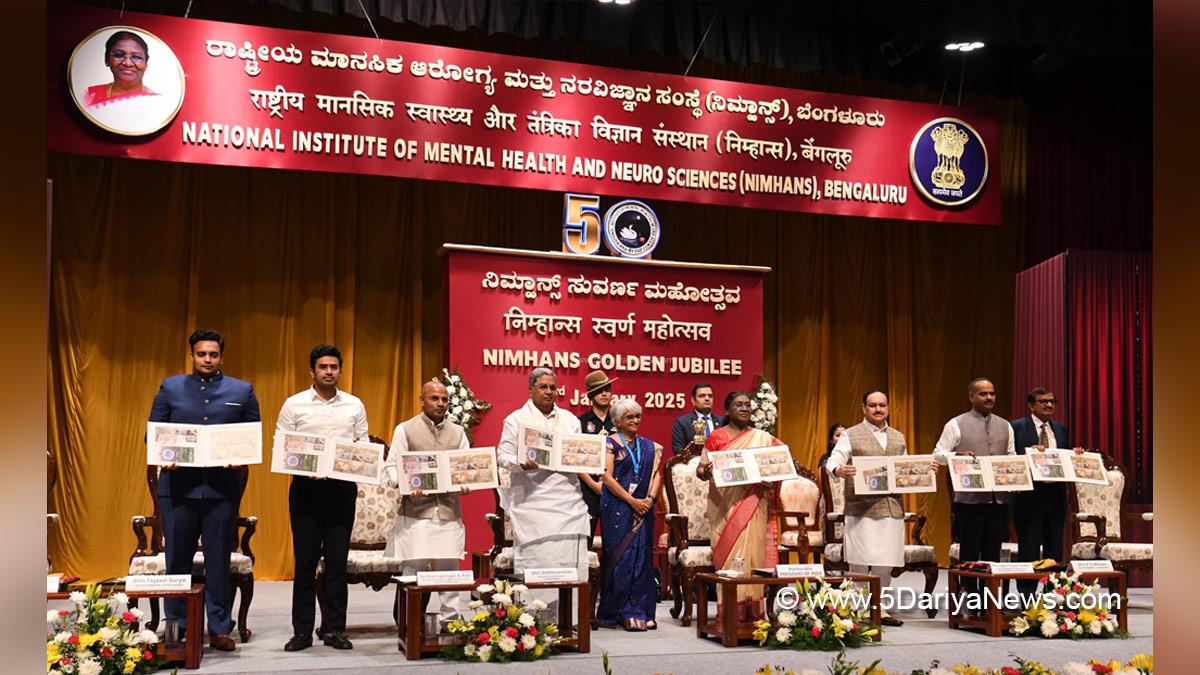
point(150, 555)
point(800, 531)
point(375, 511)
point(918, 556)
point(1097, 516)
point(690, 551)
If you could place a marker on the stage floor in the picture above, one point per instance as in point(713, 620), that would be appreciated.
point(672, 648)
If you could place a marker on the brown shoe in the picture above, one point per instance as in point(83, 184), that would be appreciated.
point(223, 643)
point(891, 621)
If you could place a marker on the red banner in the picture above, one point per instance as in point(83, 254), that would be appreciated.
point(659, 327)
point(184, 90)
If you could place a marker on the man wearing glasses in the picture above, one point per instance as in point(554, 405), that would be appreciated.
point(1039, 515)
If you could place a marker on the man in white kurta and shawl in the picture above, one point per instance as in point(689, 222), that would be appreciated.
point(429, 533)
point(874, 531)
point(549, 517)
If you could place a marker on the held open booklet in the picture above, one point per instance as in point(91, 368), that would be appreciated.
point(316, 456)
point(203, 445)
point(1064, 466)
point(569, 453)
point(448, 470)
point(991, 473)
point(895, 474)
point(752, 465)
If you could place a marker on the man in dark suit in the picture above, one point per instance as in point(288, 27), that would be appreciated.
point(682, 432)
point(1039, 515)
point(203, 502)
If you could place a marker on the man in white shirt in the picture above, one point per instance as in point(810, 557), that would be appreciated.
point(549, 517)
point(321, 510)
point(429, 533)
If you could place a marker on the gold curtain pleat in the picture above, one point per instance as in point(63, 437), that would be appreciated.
point(279, 261)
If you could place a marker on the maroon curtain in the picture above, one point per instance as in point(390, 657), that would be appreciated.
point(1108, 404)
point(1040, 331)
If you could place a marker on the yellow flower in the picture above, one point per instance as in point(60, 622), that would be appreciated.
point(1115, 665)
point(479, 617)
point(1086, 617)
point(1143, 663)
point(86, 640)
point(493, 631)
point(537, 651)
point(966, 669)
point(52, 654)
point(877, 670)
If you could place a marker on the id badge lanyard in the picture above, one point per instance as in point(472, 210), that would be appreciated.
point(636, 456)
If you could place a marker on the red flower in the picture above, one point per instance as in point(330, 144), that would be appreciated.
point(1009, 670)
point(1071, 615)
point(128, 617)
point(1060, 591)
point(511, 632)
point(855, 627)
point(147, 655)
point(63, 612)
point(816, 632)
point(65, 661)
point(520, 646)
point(1101, 668)
point(532, 631)
point(1064, 628)
point(106, 652)
point(1044, 580)
point(483, 638)
point(1077, 588)
point(830, 608)
point(500, 612)
point(74, 639)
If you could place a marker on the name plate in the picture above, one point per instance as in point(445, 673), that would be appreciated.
point(810, 570)
point(52, 581)
point(1010, 567)
point(1091, 566)
point(542, 575)
point(158, 582)
point(466, 577)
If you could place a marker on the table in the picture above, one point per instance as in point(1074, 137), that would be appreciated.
point(410, 624)
point(730, 630)
point(191, 651)
point(994, 619)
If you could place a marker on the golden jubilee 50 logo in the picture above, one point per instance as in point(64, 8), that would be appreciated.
point(948, 162)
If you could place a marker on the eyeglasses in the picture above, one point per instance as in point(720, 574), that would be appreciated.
point(546, 387)
point(119, 56)
point(1046, 401)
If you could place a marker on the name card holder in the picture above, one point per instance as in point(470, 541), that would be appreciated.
point(158, 582)
point(52, 582)
point(1090, 566)
point(807, 570)
point(1010, 567)
point(542, 575)
point(441, 578)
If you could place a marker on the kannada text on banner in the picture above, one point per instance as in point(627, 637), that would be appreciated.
point(274, 98)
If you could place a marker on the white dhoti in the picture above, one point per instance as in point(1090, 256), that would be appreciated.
point(560, 550)
point(875, 541)
point(430, 545)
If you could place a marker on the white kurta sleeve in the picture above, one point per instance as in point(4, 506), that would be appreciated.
point(506, 450)
point(948, 443)
point(1012, 450)
point(399, 446)
point(361, 431)
point(840, 455)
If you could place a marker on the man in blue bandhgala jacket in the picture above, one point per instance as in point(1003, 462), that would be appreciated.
point(197, 502)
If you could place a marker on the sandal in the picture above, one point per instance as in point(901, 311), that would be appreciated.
point(651, 625)
point(634, 626)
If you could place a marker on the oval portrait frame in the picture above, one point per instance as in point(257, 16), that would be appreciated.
point(158, 46)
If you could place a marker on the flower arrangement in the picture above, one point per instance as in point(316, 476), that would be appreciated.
point(1142, 664)
point(1066, 607)
point(465, 410)
point(502, 629)
point(826, 618)
point(99, 636)
point(763, 409)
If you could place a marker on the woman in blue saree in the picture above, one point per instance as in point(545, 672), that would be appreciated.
point(631, 486)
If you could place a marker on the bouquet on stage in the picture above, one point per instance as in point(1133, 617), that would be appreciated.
point(503, 628)
point(100, 635)
point(763, 409)
point(826, 617)
point(465, 410)
point(1067, 607)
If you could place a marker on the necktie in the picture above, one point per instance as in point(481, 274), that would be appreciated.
point(1044, 436)
point(707, 425)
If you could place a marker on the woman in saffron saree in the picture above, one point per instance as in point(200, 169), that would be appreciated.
point(631, 486)
point(742, 517)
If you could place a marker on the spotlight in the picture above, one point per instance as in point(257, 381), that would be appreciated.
point(964, 46)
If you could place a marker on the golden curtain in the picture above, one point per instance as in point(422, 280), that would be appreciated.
point(144, 252)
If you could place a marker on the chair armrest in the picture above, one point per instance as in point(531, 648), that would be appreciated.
point(1148, 516)
point(920, 526)
point(835, 517)
point(140, 524)
point(250, 525)
point(677, 524)
point(1097, 521)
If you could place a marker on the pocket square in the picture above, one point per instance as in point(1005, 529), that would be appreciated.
point(233, 404)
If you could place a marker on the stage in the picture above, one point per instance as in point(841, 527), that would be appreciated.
point(670, 649)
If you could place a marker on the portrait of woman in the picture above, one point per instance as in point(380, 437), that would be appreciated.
point(126, 81)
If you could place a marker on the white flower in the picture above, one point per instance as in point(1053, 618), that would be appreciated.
point(485, 652)
point(783, 634)
point(62, 636)
point(78, 597)
point(455, 379)
point(456, 410)
point(485, 588)
point(1049, 629)
point(1019, 625)
point(1077, 630)
point(1095, 628)
point(468, 405)
point(469, 650)
point(772, 398)
point(519, 588)
point(121, 598)
point(786, 618)
point(454, 400)
point(502, 599)
point(136, 612)
point(526, 620)
point(765, 386)
point(529, 641)
point(51, 615)
point(1068, 623)
point(1076, 668)
point(90, 667)
point(107, 634)
point(537, 605)
point(475, 604)
point(507, 644)
point(545, 638)
point(147, 636)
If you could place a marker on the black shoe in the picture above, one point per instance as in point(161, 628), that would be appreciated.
point(297, 643)
point(891, 621)
point(337, 641)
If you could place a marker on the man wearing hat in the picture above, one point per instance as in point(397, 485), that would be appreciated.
point(596, 421)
